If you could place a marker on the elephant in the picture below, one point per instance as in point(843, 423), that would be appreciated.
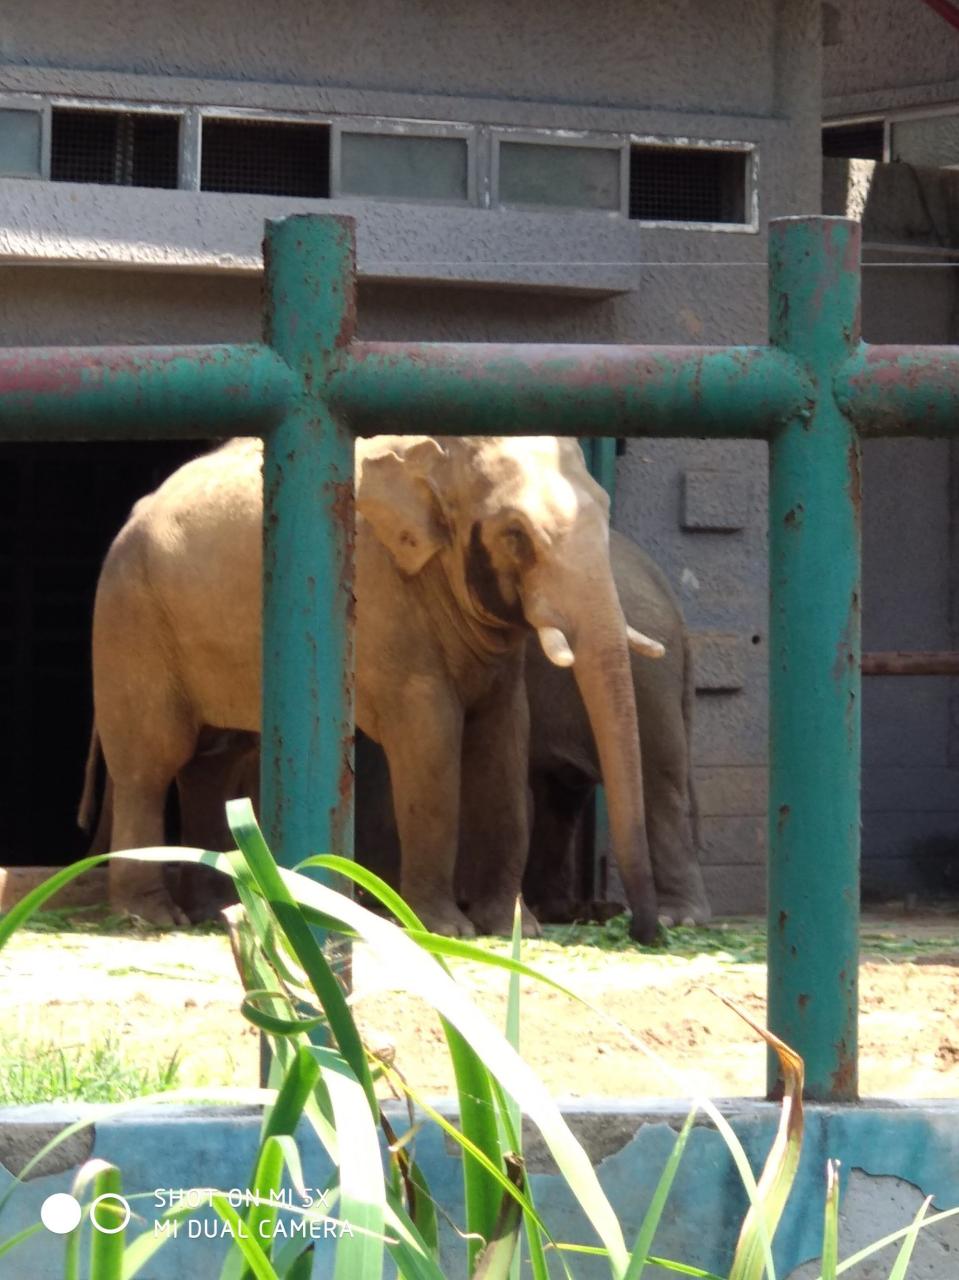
point(564, 766)
point(464, 546)
point(563, 774)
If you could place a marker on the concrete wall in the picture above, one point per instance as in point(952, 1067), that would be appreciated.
point(891, 1155)
point(725, 70)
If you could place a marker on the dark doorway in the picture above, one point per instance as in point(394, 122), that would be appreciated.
point(60, 507)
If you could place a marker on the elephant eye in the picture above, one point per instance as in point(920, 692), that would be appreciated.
point(518, 541)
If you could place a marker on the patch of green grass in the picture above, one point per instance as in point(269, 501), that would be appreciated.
point(729, 942)
point(100, 920)
point(98, 1072)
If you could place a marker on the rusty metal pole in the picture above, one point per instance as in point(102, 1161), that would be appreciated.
point(815, 650)
point(308, 665)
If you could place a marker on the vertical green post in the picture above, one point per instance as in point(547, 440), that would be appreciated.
point(308, 663)
point(815, 649)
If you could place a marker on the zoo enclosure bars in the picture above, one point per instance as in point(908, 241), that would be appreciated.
point(813, 392)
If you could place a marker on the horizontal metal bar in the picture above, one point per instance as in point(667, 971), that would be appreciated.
point(584, 390)
point(123, 393)
point(944, 662)
point(901, 391)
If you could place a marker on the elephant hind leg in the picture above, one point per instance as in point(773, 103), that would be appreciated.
point(142, 769)
point(680, 890)
point(139, 888)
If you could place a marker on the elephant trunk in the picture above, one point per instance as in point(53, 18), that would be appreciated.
point(604, 676)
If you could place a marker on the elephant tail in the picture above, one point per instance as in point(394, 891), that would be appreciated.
point(689, 702)
point(87, 813)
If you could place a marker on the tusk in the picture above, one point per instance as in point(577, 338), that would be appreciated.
point(642, 644)
point(555, 646)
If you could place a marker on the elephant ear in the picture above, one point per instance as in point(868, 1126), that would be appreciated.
point(398, 494)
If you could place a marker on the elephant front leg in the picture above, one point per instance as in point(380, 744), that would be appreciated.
point(495, 821)
point(423, 752)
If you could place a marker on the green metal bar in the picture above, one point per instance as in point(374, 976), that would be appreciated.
point(502, 389)
point(901, 391)
point(600, 454)
point(308, 664)
point(130, 393)
point(815, 650)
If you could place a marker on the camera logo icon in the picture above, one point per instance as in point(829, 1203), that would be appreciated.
point(109, 1213)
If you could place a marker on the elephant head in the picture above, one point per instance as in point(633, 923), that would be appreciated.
point(516, 531)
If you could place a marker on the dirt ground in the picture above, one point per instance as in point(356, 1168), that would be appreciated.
point(178, 992)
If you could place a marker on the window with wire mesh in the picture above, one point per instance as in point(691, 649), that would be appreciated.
point(266, 157)
point(119, 148)
point(687, 184)
point(863, 141)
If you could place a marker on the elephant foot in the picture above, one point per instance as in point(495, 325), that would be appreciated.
point(679, 911)
point(155, 908)
point(495, 916)
point(446, 919)
point(138, 889)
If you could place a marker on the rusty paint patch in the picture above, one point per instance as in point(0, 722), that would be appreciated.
point(803, 1001)
point(793, 517)
point(854, 487)
point(843, 1079)
point(783, 918)
point(846, 662)
point(781, 820)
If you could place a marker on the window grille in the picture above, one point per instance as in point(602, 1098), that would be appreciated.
point(863, 141)
point(265, 157)
point(118, 148)
point(687, 184)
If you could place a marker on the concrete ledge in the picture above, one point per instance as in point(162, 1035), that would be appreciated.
point(897, 1152)
point(88, 890)
point(592, 254)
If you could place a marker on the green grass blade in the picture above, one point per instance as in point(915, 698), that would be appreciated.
point(361, 1185)
point(463, 1142)
point(274, 1025)
point(514, 1140)
point(308, 952)
point(682, 1269)
point(512, 999)
point(855, 1258)
point(369, 881)
point(416, 1191)
point(496, 1260)
point(298, 1084)
point(107, 1247)
point(418, 972)
point(253, 1253)
point(293, 1259)
point(302, 1266)
point(899, 1267)
point(12, 1242)
point(482, 1196)
point(754, 1248)
point(277, 1153)
point(657, 1204)
point(830, 1226)
point(407, 1248)
point(21, 911)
